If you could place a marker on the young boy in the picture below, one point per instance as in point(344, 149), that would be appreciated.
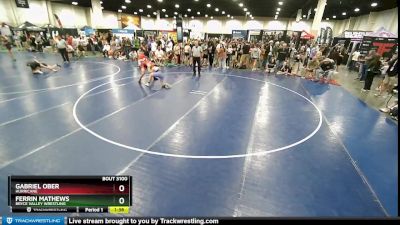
point(146, 64)
point(36, 66)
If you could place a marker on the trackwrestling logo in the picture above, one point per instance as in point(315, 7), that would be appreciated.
point(22, 220)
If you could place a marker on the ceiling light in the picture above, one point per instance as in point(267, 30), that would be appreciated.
point(123, 7)
point(198, 13)
point(189, 10)
point(304, 16)
point(174, 17)
point(247, 13)
point(315, 9)
point(374, 4)
point(140, 10)
point(175, 13)
point(327, 18)
point(163, 10)
point(102, 7)
point(74, 3)
point(101, 2)
point(280, 3)
point(216, 9)
point(119, 10)
point(185, 15)
point(212, 17)
point(277, 13)
point(135, 13)
point(128, 1)
point(333, 17)
point(223, 12)
point(148, 15)
point(343, 13)
point(208, 5)
point(356, 9)
point(149, 6)
point(245, 9)
point(166, 16)
point(278, 9)
point(154, 13)
point(159, 0)
point(176, 5)
point(231, 17)
point(241, 4)
point(192, 17)
point(196, 0)
point(206, 15)
point(228, 15)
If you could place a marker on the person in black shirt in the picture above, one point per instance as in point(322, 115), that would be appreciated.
point(245, 58)
point(283, 53)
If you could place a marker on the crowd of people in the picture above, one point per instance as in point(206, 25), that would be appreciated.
point(273, 54)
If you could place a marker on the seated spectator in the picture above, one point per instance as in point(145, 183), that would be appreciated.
point(133, 55)
point(286, 68)
point(271, 64)
point(106, 49)
point(311, 68)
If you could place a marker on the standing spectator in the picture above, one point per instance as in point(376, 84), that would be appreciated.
point(8, 46)
point(283, 53)
point(354, 59)
point(177, 53)
point(17, 41)
point(187, 54)
point(222, 57)
point(211, 51)
point(62, 48)
point(196, 54)
point(127, 45)
point(390, 78)
point(245, 58)
point(255, 56)
point(6, 32)
point(373, 68)
point(229, 53)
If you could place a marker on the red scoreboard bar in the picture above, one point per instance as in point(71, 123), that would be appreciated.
point(86, 194)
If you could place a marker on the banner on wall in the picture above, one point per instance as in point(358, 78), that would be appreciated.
point(22, 3)
point(239, 34)
point(130, 21)
point(179, 29)
point(123, 33)
point(329, 35)
point(321, 35)
point(58, 21)
point(380, 44)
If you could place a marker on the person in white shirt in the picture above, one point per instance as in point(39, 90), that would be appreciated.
point(106, 49)
point(160, 56)
point(197, 52)
point(169, 46)
point(354, 60)
point(255, 55)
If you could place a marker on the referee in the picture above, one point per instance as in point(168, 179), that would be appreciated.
point(196, 54)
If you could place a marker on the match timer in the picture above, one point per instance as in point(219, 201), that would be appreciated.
point(85, 194)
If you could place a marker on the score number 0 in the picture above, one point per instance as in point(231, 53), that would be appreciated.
point(121, 200)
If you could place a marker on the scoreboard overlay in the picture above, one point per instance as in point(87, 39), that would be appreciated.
point(85, 194)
